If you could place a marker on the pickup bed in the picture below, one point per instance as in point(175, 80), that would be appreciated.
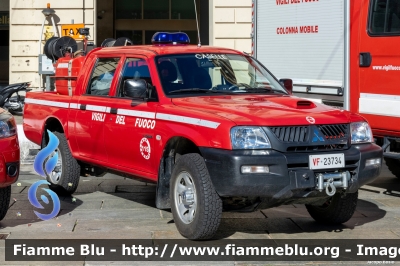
point(212, 127)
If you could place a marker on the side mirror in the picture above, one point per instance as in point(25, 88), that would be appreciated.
point(287, 84)
point(135, 88)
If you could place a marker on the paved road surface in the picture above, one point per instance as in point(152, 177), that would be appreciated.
point(113, 207)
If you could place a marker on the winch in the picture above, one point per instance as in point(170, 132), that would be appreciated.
point(331, 181)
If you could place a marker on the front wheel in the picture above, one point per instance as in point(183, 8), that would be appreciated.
point(5, 195)
point(196, 206)
point(64, 178)
point(336, 210)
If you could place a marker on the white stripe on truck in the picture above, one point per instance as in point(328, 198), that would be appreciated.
point(74, 106)
point(379, 104)
point(96, 108)
point(47, 103)
point(187, 120)
point(133, 113)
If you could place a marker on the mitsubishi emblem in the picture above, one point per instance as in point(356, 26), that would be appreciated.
point(317, 136)
point(310, 119)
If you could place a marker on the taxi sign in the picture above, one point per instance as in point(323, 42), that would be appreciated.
point(71, 30)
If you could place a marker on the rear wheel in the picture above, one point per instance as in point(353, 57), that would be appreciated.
point(196, 207)
point(394, 166)
point(64, 178)
point(5, 195)
point(336, 210)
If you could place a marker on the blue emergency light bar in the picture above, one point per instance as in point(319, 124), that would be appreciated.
point(170, 37)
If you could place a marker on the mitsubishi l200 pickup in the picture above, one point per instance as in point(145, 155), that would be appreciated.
point(212, 127)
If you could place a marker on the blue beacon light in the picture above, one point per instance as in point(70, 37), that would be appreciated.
point(170, 38)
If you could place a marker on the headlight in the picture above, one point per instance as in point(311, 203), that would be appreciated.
point(361, 132)
point(7, 128)
point(249, 138)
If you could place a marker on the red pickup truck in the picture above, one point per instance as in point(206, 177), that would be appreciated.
point(212, 127)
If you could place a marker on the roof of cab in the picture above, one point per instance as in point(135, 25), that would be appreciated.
point(165, 49)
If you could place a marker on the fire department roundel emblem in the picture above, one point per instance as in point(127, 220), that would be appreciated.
point(145, 148)
point(310, 119)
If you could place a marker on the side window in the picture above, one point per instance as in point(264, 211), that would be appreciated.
point(384, 17)
point(134, 68)
point(102, 76)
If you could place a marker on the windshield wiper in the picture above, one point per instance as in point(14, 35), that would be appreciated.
point(258, 89)
point(196, 90)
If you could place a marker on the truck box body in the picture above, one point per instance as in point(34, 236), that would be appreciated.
point(342, 53)
point(304, 42)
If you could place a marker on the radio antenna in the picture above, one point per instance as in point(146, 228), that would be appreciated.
point(197, 23)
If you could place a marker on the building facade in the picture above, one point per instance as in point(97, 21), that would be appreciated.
point(4, 40)
point(225, 23)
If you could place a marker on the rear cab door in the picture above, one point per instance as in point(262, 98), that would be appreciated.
point(93, 108)
point(379, 65)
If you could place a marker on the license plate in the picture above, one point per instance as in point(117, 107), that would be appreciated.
point(326, 161)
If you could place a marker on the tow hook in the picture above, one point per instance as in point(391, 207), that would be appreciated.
point(331, 181)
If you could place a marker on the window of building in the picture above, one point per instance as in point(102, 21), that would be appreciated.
point(384, 17)
point(132, 19)
point(154, 9)
point(4, 54)
point(128, 9)
point(135, 35)
point(102, 76)
point(182, 9)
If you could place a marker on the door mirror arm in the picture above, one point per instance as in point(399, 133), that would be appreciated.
point(151, 93)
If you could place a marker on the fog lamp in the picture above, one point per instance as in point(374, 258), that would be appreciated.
point(375, 161)
point(251, 169)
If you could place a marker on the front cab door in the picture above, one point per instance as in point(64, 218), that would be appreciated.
point(130, 130)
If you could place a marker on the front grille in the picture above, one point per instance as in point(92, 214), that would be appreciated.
point(291, 134)
point(334, 132)
point(309, 138)
point(317, 148)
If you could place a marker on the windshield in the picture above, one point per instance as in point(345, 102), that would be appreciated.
point(214, 73)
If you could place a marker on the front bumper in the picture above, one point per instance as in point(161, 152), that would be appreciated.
point(286, 179)
point(9, 161)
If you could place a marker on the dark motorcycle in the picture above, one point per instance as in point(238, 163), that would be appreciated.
point(10, 99)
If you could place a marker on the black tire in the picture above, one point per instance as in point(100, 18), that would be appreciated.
point(394, 166)
point(208, 205)
point(338, 209)
point(67, 182)
point(18, 113)
point(5, 195)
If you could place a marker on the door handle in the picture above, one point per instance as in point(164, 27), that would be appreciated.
point(82, 106)
point(365, 59)
point(114, 111)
